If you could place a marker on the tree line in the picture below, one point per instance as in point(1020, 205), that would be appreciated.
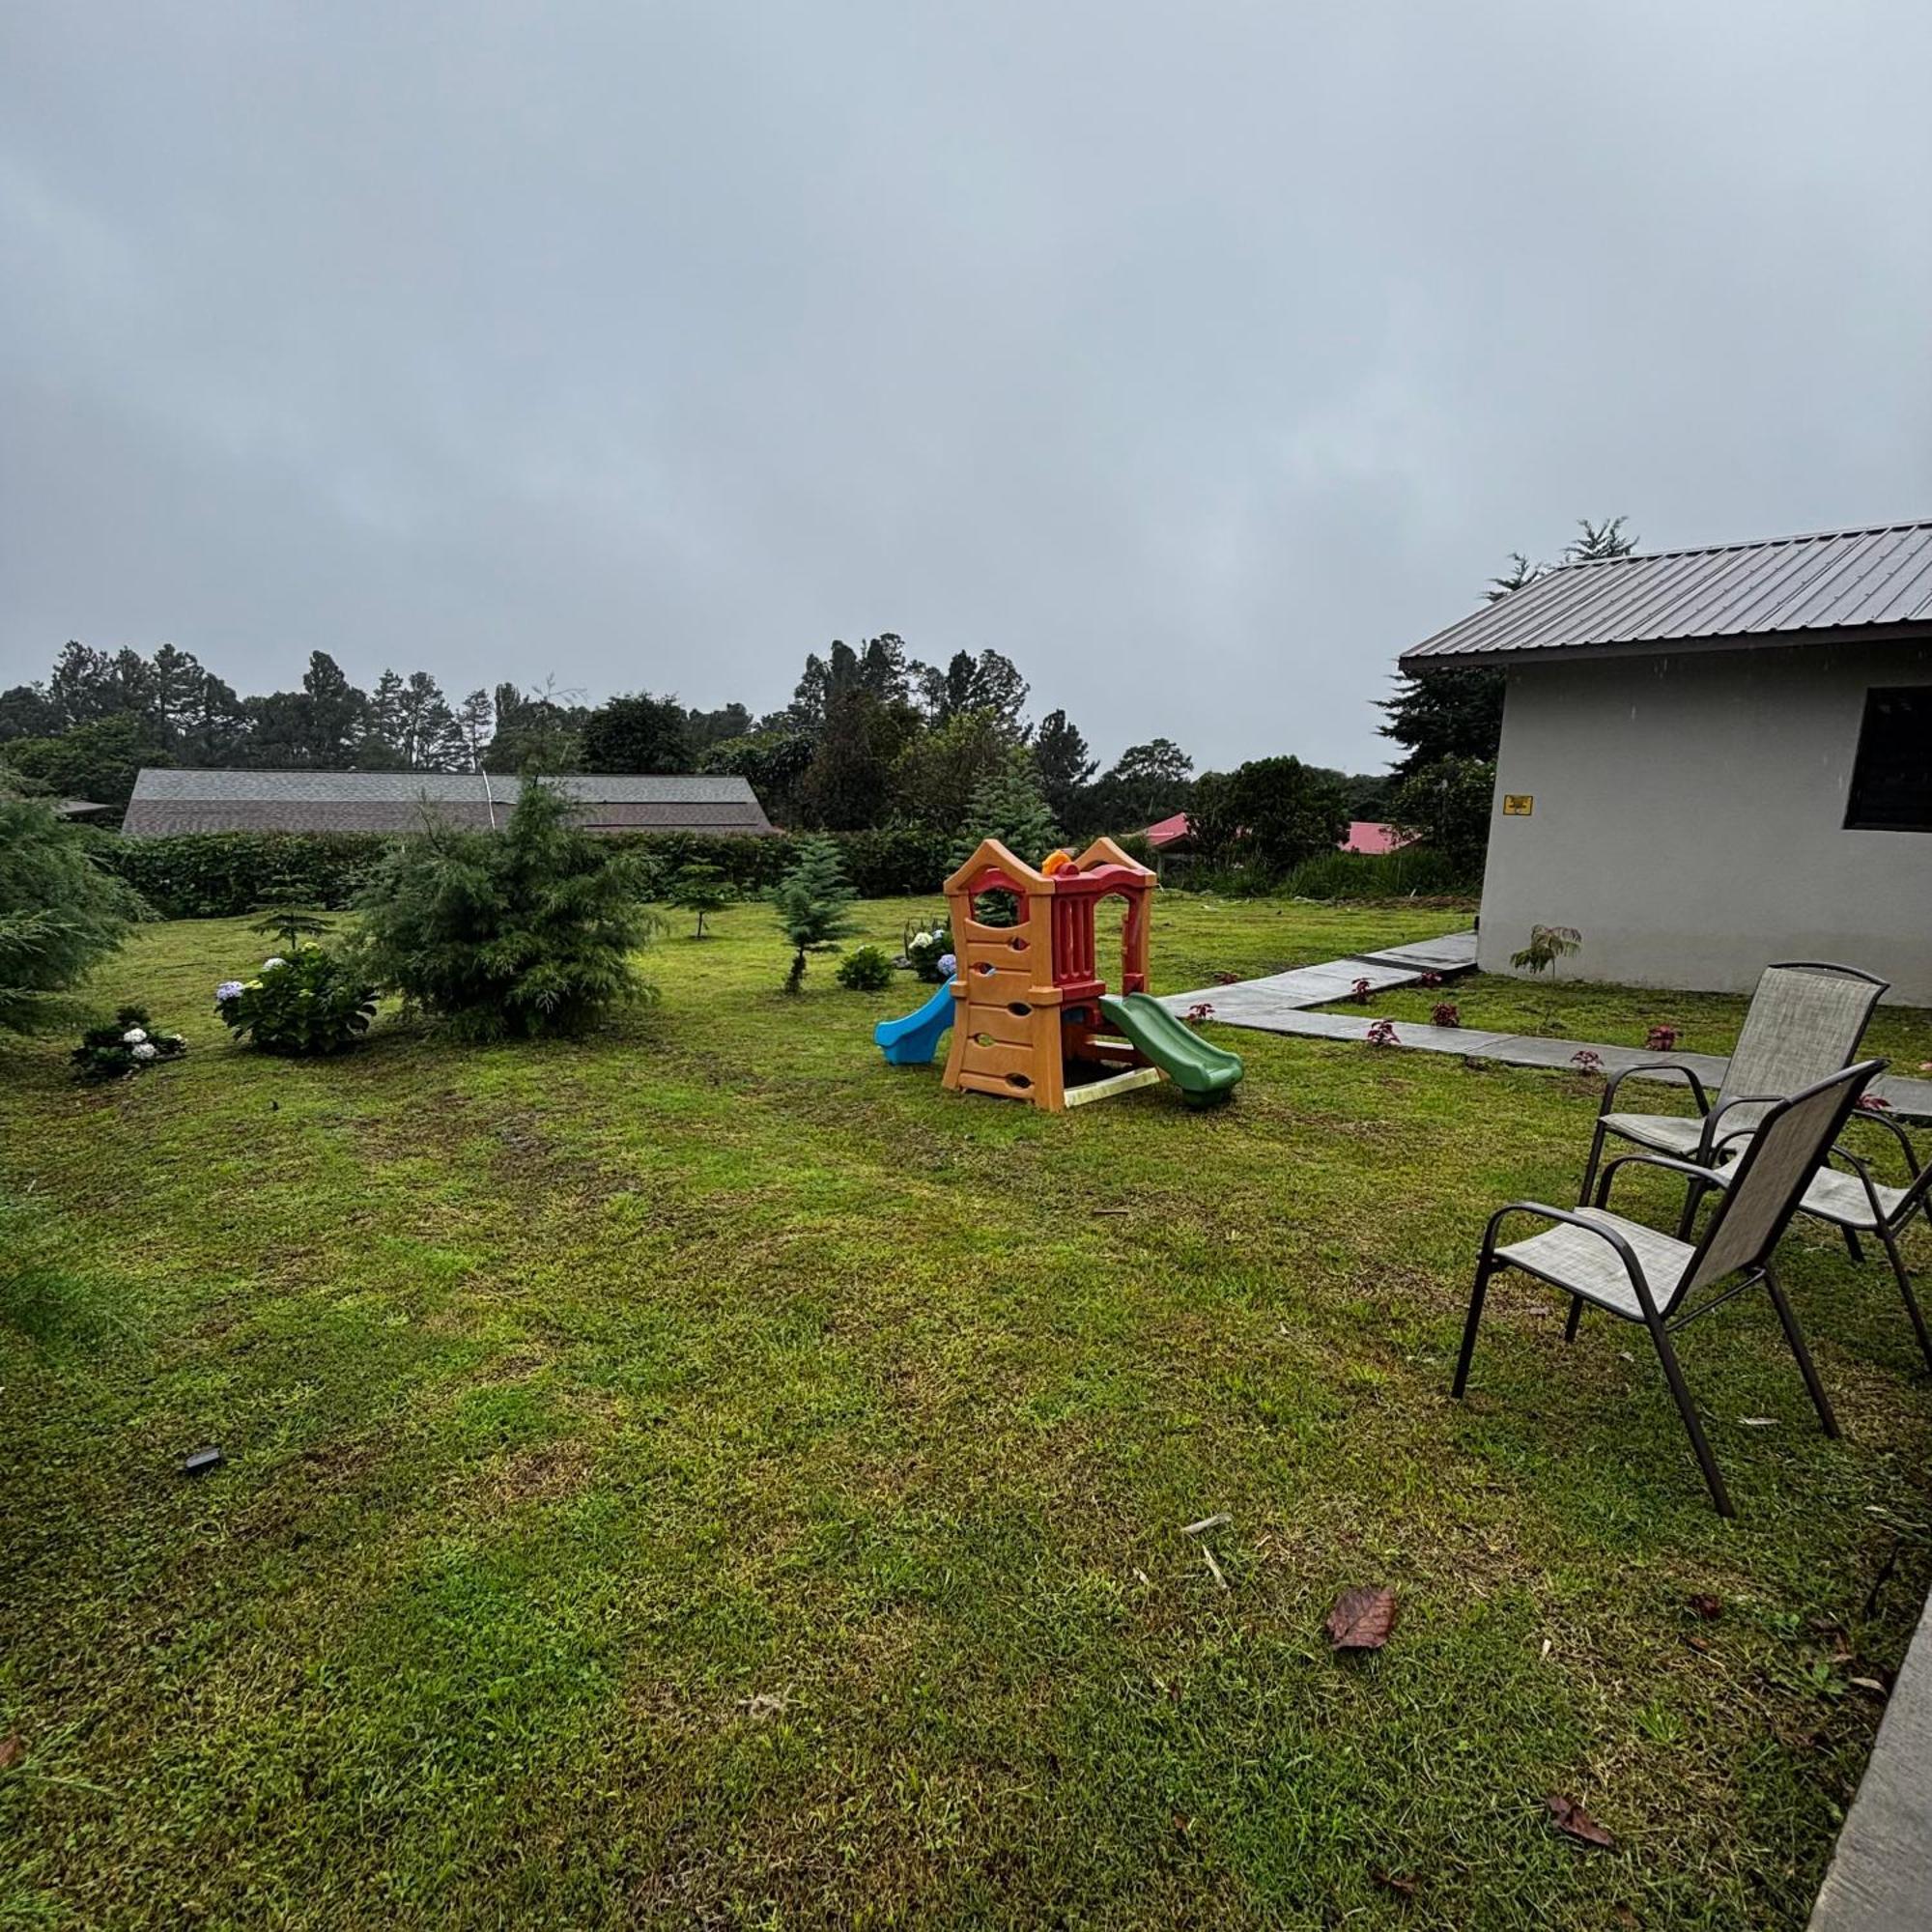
point(872, 737)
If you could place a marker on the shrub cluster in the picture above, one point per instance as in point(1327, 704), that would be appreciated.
point(222, 874)
point(869, 970)
point(306, 1002)
point(129, 1045)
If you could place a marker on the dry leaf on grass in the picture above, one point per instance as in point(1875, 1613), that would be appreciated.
point(1706, 1606)
point(1575, 1822)
point(12, 1750)
point(1362, 1619)
point(1403, 1888)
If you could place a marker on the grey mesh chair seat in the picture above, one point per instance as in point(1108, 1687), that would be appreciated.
point(1662, 1281)
point(1844, 1200)
point(1580, 1261)
point(1806, 1020)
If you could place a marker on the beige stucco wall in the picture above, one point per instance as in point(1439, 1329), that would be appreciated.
point(1690, 820)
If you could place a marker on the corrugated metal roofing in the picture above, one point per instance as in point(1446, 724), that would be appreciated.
point(1831, 581)
point(168, 801)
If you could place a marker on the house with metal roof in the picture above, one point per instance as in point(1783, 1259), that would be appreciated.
point(1715, 758)
point(168, 801)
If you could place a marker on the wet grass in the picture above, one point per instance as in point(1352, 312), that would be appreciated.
point(698, 1474)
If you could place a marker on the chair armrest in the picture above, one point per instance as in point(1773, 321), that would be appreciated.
point(1711, 1176)
point(1713, 1139)
point(1570, 1218)
point(1863, 1169)
point(1617, 1080)
point(1871, 1117)
point(1920, 1189)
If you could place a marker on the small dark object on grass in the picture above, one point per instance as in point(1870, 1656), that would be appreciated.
point(1585, 1060)
point(1359, 992)
point(1431, 980)
point(12, 1751)
point(1706, 1606)
point(1661, 1039)
point(1382, 1033)
point(1226, 979)
point(202, 1461)
point(1362, 1619)
point(1445, 1014)
point(1403, 1888)
point(1201, 1009)
point(1576, 1823)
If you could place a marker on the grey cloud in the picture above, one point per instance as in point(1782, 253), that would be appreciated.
point(1199, 357)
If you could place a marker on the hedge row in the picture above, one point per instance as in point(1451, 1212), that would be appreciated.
point(218, 874)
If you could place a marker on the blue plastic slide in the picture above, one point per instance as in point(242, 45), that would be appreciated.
point(913, 1040)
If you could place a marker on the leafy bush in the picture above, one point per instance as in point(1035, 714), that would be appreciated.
point(813, 903)
point(1447, 805)
point(927, 946)
point(305, 1002)
point(869, 970)
point(59, 911)
point(528, 930)
point(129, 1045)
point(1547, 944)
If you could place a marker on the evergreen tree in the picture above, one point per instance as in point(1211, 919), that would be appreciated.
point(847, 787)
point(637, 733)
point(58, 912)
point(1148, 783)
point(813, 905)
point(700, 889)
point(1066, 767)
point(530, 930)
point(1007, 805)
point(937, 772)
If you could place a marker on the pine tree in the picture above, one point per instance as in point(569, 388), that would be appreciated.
point(813, 904)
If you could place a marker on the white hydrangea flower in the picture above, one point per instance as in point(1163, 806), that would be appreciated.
point(133, 1036)
point(269, 965)
point(146, 1050)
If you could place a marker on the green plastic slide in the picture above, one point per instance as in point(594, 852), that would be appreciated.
point(1205, 1075)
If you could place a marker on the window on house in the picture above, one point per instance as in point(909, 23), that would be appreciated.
point(1891, 782)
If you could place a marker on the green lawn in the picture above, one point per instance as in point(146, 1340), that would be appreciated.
point(698, 1475)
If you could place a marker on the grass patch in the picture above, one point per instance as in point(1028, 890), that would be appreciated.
point(700, 1474)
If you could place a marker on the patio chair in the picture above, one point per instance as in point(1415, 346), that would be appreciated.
point(1857, 1203)
point(1806, 1020)
point(1641, 1276)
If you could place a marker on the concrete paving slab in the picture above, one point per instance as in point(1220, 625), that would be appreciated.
point(1453, 953)
point(1881, 1875)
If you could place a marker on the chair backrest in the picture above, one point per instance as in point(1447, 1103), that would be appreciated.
point(1789, 1146)
point(1805, 1021)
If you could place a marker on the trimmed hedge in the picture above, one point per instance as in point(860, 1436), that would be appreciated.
point(221, 874)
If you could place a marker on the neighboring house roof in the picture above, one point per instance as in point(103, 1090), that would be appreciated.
point(1789, 589)
point(171, 800)
point(1370, 835)
point(1365, 835)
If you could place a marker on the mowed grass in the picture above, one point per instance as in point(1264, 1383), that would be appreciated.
point(699, 1475)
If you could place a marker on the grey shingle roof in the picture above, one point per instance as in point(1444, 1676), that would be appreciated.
point(167, 801)
point(1785, 588)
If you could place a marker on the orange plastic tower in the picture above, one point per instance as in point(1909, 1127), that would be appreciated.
point(1028, 994)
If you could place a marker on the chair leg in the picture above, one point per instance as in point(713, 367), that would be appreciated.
point(1795, 1335)
point(1693, 1195)
point(1590, 1166)
point(1575, 1316)
point(1694, 1429)
point(1904, 1275)
point(1484, 1268)
point(1852, 1247)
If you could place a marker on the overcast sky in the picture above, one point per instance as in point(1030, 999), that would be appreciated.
point(1199, 356)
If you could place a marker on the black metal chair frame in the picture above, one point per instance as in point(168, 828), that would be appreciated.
point(1662, 1326)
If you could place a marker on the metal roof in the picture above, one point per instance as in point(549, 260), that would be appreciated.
point(1832, 581)
point(169, 800)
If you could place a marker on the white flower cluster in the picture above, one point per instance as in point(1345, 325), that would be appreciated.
point(145, 1049)
point(133, 1036)
point(269, 965)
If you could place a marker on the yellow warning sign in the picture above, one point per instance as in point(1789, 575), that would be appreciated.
point(1518, 804)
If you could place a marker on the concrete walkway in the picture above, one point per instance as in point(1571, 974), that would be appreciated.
point(1281, 1003)
point(1881, 1875)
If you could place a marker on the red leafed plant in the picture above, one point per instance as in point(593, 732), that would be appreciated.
point(1359, 992)
point(1445, 1013)
point(1874, 1103)
point(1226, 979)
point(1661, 1039)
point(1201, 1009)
point(1381, 1033)
point(1587, 1059)
point(1431, 980)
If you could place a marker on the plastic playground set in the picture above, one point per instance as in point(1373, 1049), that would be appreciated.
point(1030, 1017)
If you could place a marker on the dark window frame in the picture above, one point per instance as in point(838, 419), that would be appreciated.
point(1875, 746)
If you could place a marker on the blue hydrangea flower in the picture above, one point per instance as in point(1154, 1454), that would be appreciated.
point(229, 989)
point(949, 963)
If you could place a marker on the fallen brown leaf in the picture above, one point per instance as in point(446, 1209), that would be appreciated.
point(1706, 1606)
point(1871, 1683)
point(1403, 1888)
point(1700, 1644)
point(12, 1750)
point(1362, 1619)
point(1576, 1823)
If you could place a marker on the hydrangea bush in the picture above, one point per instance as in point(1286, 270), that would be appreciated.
point(129, 1045)
point(303, 1003)
point(929, 952)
